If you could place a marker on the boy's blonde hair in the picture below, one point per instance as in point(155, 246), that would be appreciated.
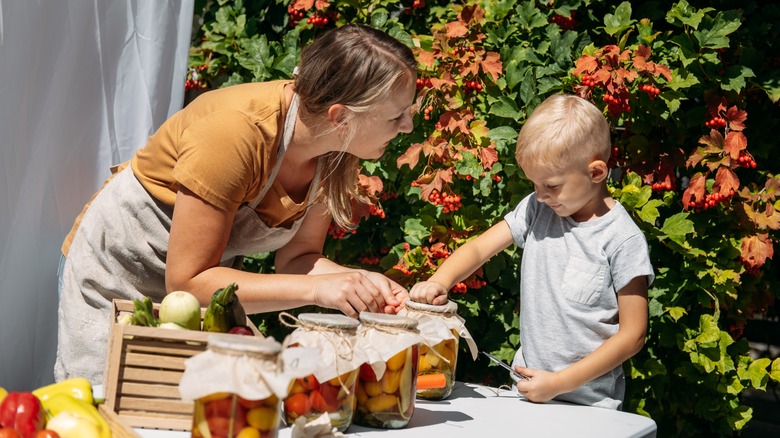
point(564, 131)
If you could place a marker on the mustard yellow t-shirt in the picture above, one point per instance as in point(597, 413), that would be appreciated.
point(222, 147)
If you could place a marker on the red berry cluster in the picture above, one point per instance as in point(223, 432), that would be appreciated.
point(417, 4)
point(650, 89)
point(617, 103)
point(369, 260)
point(450, 202)
point(459, 288)
point(588, 80)
point(711, 200)
point(376, 211)
point(386, 196)
point(565, 23)
point(716, 123)
point(318, 20)
point(296, 15)
point(473, 85)
point(476, 283)
point(746, 160)
point(427, 112)
point(337, 232)
point(401, 267)
point(661, 186)
point(423, 83)
point(439, 254)
point(191, 84)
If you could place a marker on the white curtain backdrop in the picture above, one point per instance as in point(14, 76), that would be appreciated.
point(83, 83)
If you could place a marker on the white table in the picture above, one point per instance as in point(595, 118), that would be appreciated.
point(477, 411)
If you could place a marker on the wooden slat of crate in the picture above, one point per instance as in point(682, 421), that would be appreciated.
point(143, 371)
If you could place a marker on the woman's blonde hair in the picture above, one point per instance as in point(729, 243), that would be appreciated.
point(358, 67)
point(564, 131)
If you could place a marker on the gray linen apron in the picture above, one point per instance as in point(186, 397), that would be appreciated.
point(119, 251)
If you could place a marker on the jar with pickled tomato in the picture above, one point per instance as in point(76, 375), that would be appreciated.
point(441, 328)
point(386, 382)
point(237, 385)
point(330, 389)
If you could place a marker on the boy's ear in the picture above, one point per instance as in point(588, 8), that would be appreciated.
point(598, 171)
point(337, 114)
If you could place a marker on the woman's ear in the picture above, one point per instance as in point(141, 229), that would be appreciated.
point(337, 115)
point(598, 171)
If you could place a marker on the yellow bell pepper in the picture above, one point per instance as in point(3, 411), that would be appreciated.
point(68, 425)
point(3, 393)
point(78, 387)
point(59, 403)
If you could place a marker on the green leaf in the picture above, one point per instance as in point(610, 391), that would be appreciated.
point(676, 313)
point(529, 17)
point(505, 107)
point(684, 14)
point(379, 18)
point(649, 212)
point(709, 331)
point(681, 79)
point(757, 373)
point(503, 133)
point(677, 227)
point(415, 232)
point(771, 85)
point(714, 34)
point(618, 22)
point(734, 78)
point(774, 372)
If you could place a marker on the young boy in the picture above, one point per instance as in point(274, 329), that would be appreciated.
point(585, 267)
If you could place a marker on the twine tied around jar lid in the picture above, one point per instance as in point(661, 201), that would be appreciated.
point(447, 309)
point(339, 331)
point(223, 343)
point(447, 313)
point(388, 323)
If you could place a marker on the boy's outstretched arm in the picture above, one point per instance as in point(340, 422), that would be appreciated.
point(462, 263)
point(629, 340)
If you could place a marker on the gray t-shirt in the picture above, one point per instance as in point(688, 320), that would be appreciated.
point(570, 275)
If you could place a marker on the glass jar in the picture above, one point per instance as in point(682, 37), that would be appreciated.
point(387, 381)
point(228, 414)
point(438, 361)
point(331, 388)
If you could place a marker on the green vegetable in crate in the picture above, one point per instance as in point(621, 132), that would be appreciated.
point(143, 313)
point(224, 311)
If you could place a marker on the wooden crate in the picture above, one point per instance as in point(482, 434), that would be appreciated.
point(143, 370)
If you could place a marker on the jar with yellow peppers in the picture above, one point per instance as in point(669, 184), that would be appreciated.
point(441, 328)
point(237, 385)
point(386, 382)
point(330, 389)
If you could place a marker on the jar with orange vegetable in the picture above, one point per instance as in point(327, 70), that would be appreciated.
point(441, 328)
point(330, 389)
point(386, 382)
point(237, 385)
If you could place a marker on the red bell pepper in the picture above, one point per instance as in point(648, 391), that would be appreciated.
point(22, 411)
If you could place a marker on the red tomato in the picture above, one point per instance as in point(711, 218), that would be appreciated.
point(367, 373)
point(46, 433)
point(219, 408)
point(297, 404)
point(310, 382)
point(218, 425)
point(9, 433)
point(318, 403)
point(331, 394)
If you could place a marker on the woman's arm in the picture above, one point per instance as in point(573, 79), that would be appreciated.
point(629, 340)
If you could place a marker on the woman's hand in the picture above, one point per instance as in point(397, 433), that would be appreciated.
point(429, 292)
point(350, 292)
point(541, 386)
point(393, 293)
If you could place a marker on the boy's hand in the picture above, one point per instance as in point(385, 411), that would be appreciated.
point(429, 292)
point(541, 386)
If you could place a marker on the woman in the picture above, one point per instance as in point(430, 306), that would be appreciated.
point(244, 169)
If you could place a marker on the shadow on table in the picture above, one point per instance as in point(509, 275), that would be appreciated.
point(423, 417)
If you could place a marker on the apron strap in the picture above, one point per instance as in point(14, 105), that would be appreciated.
point(287, 132)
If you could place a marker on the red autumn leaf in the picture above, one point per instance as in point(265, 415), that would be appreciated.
point(410, 157)
point(370, 185)
point(471, 14)
point(756, 250)
point(736, 118)
point(453, 121)
point(714, 143)
point(585, 64)
point(303, 5)
point(695, 190)
point(624, 75)
point(435, 184)
point(641, 54)
point(321, 5)
point(492, 65)
point(696, 157)
point(488, 156)
point(726, 181)
point(735, 143)
point(426, 58)
point(456, 29)
point(445, 175)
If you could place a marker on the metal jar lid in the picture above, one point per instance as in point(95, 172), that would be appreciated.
point(449, 308)
point(328, 320)
point(388, 320)
point(238, 344)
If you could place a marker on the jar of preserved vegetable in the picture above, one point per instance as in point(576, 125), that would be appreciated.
point(330, 389)
point(386, 382)
point(237, 385)
point(441, 328)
